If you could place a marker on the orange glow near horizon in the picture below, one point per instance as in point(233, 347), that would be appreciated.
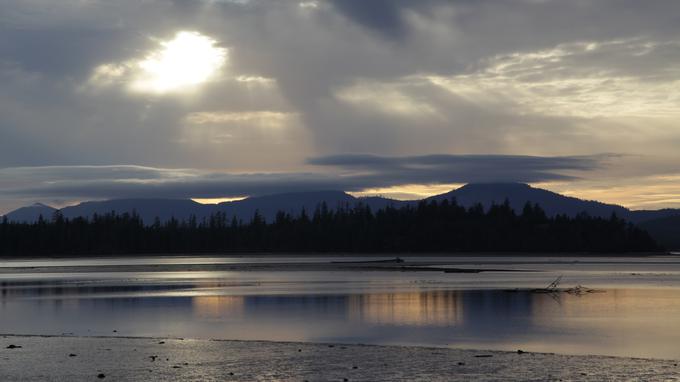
point(217, 200)
point(656, 194)
point(408, 191)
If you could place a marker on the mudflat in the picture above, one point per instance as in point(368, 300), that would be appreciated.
point(66, 358)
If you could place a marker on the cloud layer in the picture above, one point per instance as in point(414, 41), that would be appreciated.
point(345, 172)
point(520, 90)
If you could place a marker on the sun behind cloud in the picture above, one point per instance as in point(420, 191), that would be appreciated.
point(179, 64)
point(189, 59)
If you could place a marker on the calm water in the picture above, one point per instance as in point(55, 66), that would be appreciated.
point(637, 312)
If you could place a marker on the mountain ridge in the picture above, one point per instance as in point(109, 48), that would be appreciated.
point(517, 194)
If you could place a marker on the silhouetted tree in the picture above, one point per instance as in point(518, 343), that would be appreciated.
point(429, 226)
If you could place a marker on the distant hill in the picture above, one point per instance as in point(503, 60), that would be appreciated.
point(292, 203)
point(518, 194)
point(430, 228)
point(148, 209)
point(31, 213)
point(182, 209)
point(661, 223)
point(638, 216)
point(665, 230)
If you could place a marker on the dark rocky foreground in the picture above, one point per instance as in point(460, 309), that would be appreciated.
point(34, 358)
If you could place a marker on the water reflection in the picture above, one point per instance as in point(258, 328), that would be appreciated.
point(434, 308)
point(217, 307)
point(617, 322)
point(437, 308)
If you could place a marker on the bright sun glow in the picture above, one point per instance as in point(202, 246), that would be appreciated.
point(187, 60)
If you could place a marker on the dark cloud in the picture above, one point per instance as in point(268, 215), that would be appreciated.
point(381, 171)
point(62, 51)
point(383, 16)
point(461, 162)
point(359, 172)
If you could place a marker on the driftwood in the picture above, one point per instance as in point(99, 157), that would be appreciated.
point(553, 287)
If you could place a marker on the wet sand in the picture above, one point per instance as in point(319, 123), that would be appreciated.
point(37, 358)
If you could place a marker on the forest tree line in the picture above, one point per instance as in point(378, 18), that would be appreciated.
point(428, 227)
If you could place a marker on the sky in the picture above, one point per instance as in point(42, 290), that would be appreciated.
point(221, 99)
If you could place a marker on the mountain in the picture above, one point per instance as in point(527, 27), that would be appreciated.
point(183, 209)
point(31, 213)
point(665, 230)
point(661, 224)
point(518, 194)
point(292, 203)
point(379, 203)
point(147, 209)
point(638, 216)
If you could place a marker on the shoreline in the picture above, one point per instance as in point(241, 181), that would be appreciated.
point(37, 357)
point(255, 254)
point(434, 264)
point(251, 267)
